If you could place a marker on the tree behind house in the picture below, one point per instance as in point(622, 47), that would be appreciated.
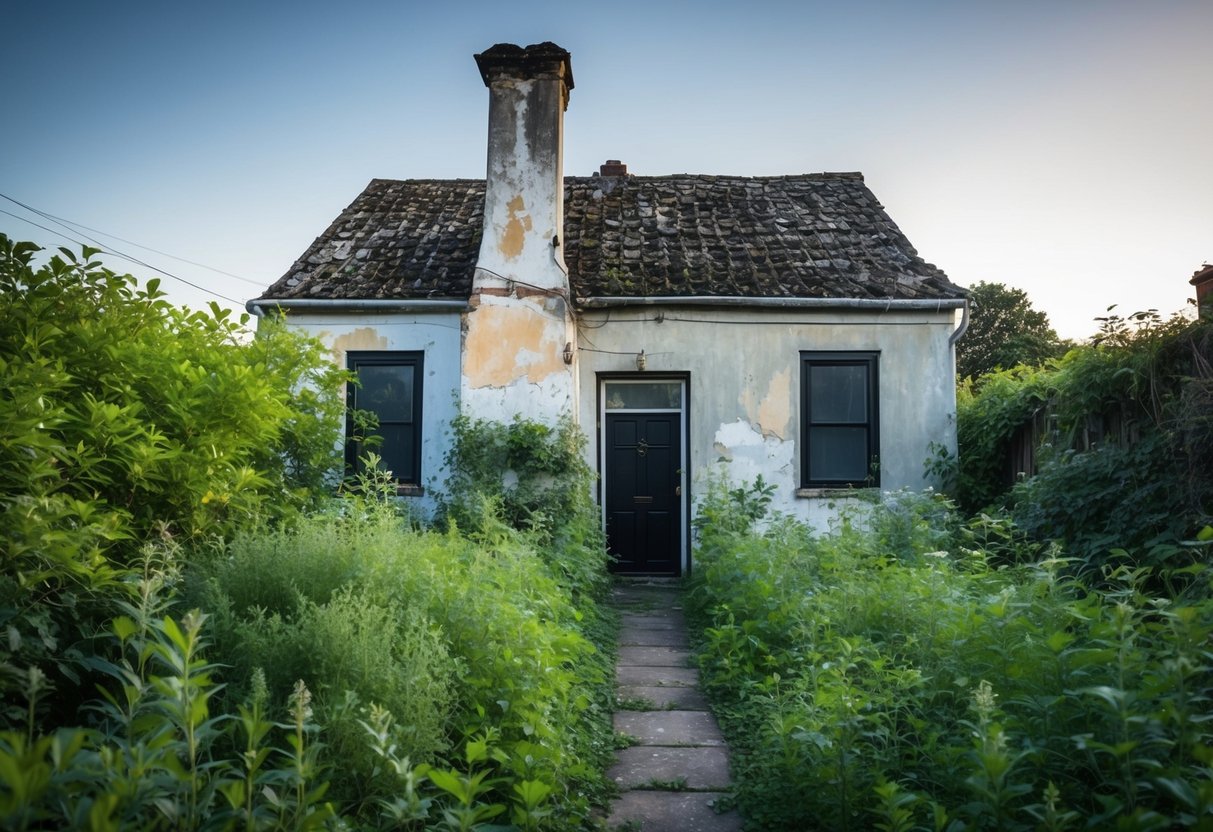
point(1004, 332)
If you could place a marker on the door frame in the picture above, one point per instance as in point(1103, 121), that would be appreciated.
point(600, 385)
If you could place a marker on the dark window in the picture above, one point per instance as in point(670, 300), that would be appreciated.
point(389, 388)
point(840, 432)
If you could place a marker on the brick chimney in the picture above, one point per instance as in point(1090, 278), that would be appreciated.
point(613, 167)
point(524, 201)
point(1203, 281)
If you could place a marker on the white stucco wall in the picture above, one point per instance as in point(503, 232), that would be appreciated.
point(745, 376)
point(437, 335)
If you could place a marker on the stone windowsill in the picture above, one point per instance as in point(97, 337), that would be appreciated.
point(813, 493)
point(408, 490)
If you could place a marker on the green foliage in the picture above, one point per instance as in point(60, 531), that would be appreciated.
point(1125, 441)
point(456, 683)
point(534, 477)
point(156, 759)
point(897, 674)
point(124, 419)
point(155, 415)
point(451, 638)
point(1004, 332)
point(987, 417)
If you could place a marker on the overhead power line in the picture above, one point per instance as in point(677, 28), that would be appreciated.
point(108, 249)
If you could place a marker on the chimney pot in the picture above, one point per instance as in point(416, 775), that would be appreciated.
point(613, 167)
point(539, 60)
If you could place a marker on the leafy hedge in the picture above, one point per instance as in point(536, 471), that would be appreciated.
point(1127, 451)
point(124, 419)
point(888, 676)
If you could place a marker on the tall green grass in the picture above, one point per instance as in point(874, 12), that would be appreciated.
point(890, 676)
point(460, 637)
point(351, 671)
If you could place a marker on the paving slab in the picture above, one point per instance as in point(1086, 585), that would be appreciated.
point(650, 621)
point(679, 740)
point(627, 675)
point(676, 697)
point(648, 637)
point(672, 812)
point(670, 727)
point(699, 769)
point(644, 595)
point(654, 656)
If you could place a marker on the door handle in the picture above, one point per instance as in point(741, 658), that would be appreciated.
point(678, 491)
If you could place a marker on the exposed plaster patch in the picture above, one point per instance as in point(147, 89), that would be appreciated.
point(746, 454)
point(508, 343)
point(519, 223)
point(775, 412)
point(362, 338)
point(545, 401)
point(771, 415)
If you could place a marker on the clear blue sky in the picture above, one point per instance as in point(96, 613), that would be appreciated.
point(1059, 147)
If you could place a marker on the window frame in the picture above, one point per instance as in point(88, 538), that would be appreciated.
point(870, 360)
point(409, 481)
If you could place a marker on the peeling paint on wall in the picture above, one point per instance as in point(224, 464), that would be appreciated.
point(775, 411)
point(745, 454)
point(510, 341)
point(544, 402)
point(514, 236)
point(772, 414)
point(362, 338)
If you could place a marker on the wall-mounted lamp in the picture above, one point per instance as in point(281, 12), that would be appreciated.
point(567, 355)
point(641, 361)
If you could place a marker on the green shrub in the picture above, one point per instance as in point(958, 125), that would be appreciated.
point(124, 419)
point(534, 477)
point(157, 757)
point(455, 640)
point(987, 417)
point(1125, 441)
point(861, 688)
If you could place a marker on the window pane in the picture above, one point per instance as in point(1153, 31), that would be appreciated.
point(396, 451)
point(646, 395)
point(838, 454)
point(387, 390)
point(839, 393)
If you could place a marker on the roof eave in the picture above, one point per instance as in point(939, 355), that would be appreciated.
point(866, 304)
point(258, 306)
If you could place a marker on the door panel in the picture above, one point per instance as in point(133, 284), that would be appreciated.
point(643, 506)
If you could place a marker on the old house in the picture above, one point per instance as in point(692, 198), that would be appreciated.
point(781, 326)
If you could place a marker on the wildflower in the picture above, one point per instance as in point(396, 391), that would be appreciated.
point(984, 701)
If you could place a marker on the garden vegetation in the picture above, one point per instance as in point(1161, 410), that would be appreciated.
point(201, 635)
point(1120, 435)
point(910, 671)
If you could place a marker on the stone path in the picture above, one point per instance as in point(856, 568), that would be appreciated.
point(679, 765)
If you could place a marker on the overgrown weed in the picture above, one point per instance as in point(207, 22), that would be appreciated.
point(910, 671)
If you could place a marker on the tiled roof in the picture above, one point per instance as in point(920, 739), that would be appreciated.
point(814, 236)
